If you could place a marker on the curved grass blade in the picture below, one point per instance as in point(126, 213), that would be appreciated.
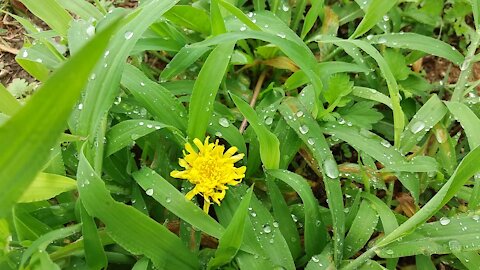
point(175, 202)
point(315, 232)
point(94, 252)
point(322, 261)
point(205, 90)
point(229, 133)
point(190, 17)
point(8, 104)
point(469, 121)
point(269, 144)
point(413, 41)
point(46, 186)
point(126, 132)
point(182, 60)
point(371, 94)
point(160, 102)
point(362, 228)
point(374, 13)
point(51, 13)
point(134, 231)
point(450, 235)
point(231, 240)
point(301, 121)
point(81, 8)
point(22, 157)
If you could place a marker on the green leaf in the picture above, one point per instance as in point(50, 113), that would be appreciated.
point(339, 86)
point(315, 231)
point(84, 9)
point(469, 121)
point(361, 114)
point(131, 229)
point(231, 240)
point(205, 90)
point(175, 202)
point(362, 228)
point(51, 13)
point(94, 253)
point(449, 235)
point(397, 64)
point(417, 42)
point(307, 128)
point(189, 17)
point(269, 144)
point(374, 13)
point(46, 186)
point(216, 18)
point(22, 158)
point(8, 104)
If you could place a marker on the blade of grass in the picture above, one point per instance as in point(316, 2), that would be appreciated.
point(362, 228)
point(8, 104)
point(374, 13)
point(269, 144)
point(205, 90)
point(51, 13)
point(46, 186)
point(45, 117)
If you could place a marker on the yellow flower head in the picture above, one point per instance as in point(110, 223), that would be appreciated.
point(210, 170)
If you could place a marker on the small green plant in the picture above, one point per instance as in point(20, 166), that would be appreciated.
point(341, 153)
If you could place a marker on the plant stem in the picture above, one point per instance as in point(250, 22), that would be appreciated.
point(466, 69)
point(256, 92)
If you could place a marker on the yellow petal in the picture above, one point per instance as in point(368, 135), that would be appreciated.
point(206, 206)
point(191, 194)
point(232, 150)
point(189, 148)
point(237, 157)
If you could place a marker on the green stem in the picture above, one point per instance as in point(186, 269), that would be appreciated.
point(355, 264)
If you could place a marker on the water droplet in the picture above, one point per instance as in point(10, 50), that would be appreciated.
point(106, 54)
point(218, 134)
point(149, 192)
point(331, 169)
point(281, 35)
point(386, 18)
point(454, 246)
point(90, 30)
point(142, 83)
point(253, 214)
point(141, 124)
point(243, 28)
point(275, 224)
point(369, 37)
point(417, 127)
point(224, 122)
point(476, 217)
point(385, 143)
point(299, 114)
point(168, 200)
point(266, 26)
point(382, 40)
point(267, 228)
point(444, 221)
point(315, 259)
point(149, 126)
point(303, 129)
point(80, 106)
point(285, 8)
point(25, 53)
point(268, 121)
point(311, 141)
point(93, 76)
point(341, 121)
point(389, 252)
point(39, 60)
point(128, 35)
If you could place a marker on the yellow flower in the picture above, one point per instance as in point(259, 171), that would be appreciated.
point(210, 170)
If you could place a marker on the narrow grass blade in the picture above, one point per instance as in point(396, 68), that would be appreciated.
point(374, 13)
point(371, 94)
point(389, 221)
point(8, 104)
point(205, 90)
point(315, 232)
point(175, 201)
point(190, 17)
point(269, 144)
point(126, 132)
point(470, 259)
point(182, 60)
point(160, 102)
point(322, 261)
point(216, 19)
point(417, 42)
point(450, 235)
point(51, 13)
point(46, 186)
point(81, 8)
point(239, 14)
point(424, 262)
point(362, 228)
point(231, 240)
point(306, 127)
point(476, 13)
point(131, 229)
point(45, 117)
point(94, 253)
point(469, 121)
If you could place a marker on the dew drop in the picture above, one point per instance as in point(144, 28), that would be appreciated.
point(386, 18)
point(331, 169)
point(303, 129)
point(267, 229)
point(93, 76)
point(142, 83)
point(268, 121)
point(90, 30)
point(389, 252)
point(444, 221)
point(275, 224)
point(299, 114)
point(141, 124)
point(311, 141)
point(218, 134)
point(106, 54)
point(80, 106)
point(281, 35)
point(341, 121)
point(382, 40)
point(454, 246)
point(25, 53)
point(417, 127)
point(315, 259)
point(285, 8)
point(149, 192)
point(476, 217)
point(223, 122)
point(385, 143)
point(243, 28)
point(128, 35)
point(168, 200)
